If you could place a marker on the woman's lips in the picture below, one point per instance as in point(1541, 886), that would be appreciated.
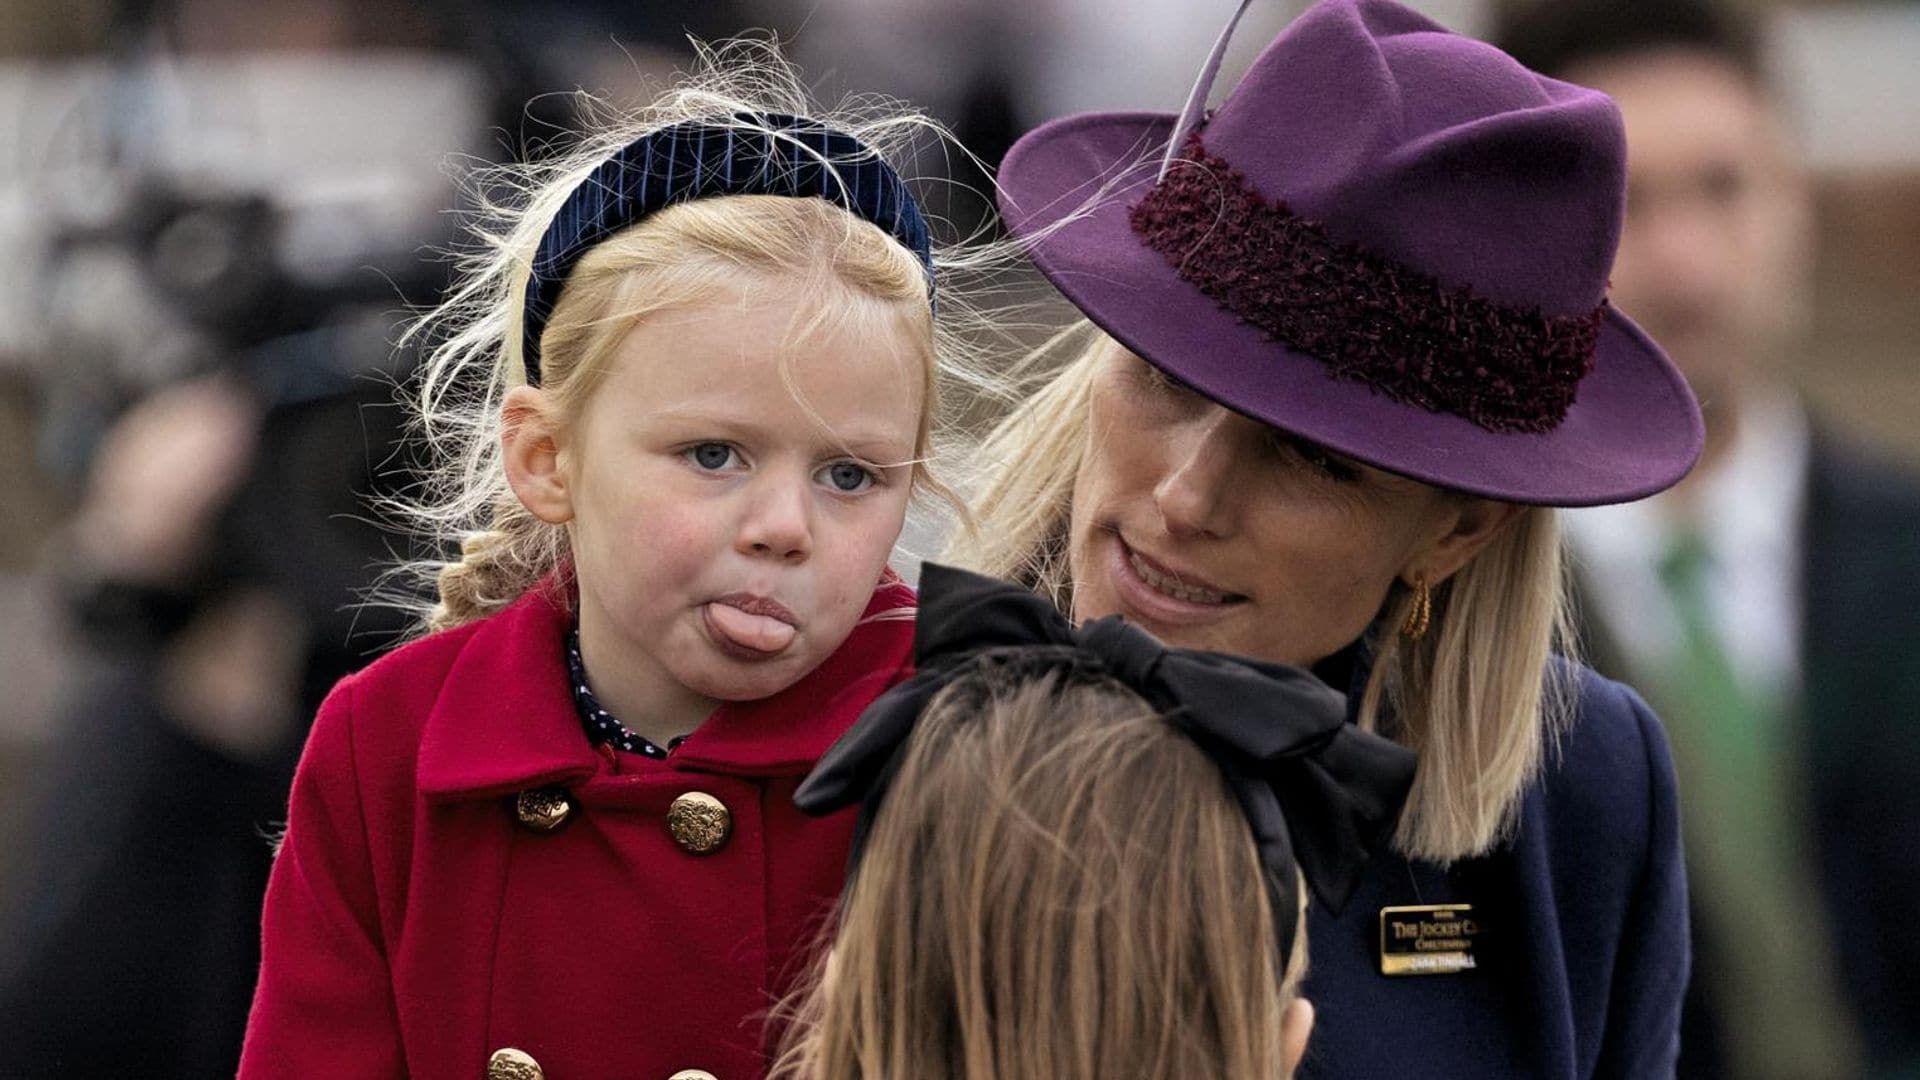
point(1160, 594)
point(749, 627)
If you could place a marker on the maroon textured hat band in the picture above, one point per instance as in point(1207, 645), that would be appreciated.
point(1366, 317)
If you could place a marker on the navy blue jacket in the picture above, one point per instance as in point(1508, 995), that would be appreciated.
point(1583, 958)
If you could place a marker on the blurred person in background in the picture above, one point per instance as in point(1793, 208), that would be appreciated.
point(1769, 604)
point(217, 271)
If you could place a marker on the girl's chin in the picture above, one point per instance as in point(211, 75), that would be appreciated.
point(724, 680)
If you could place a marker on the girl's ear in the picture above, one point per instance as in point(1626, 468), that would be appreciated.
point(1296, 1023)
point(530, 437)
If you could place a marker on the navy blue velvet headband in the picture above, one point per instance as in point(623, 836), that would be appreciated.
point(753, 154)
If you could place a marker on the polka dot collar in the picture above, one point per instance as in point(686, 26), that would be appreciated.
point(601, 725)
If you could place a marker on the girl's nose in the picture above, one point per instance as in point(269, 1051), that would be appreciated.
point(778, 522)
point(1194, 493)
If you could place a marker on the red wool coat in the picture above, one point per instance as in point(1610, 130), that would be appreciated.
point(416, 924)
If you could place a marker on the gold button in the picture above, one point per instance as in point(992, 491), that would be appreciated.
point(693, 1074)
point(542, 809)
point(699, 822)
point(510, 1064)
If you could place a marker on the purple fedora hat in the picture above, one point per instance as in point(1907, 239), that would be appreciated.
point(1388, 239)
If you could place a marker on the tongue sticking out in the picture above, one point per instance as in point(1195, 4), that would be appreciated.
point(762, 633)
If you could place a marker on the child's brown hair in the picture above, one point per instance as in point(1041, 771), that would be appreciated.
point(1060, 884)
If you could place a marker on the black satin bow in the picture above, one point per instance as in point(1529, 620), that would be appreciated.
point(1317, 791)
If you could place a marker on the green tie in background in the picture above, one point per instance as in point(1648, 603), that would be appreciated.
point(1749, 860)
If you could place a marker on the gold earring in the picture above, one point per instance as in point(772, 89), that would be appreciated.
point(1420, 613)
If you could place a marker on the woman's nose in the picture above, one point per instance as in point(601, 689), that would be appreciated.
point(779, 520)
point(1194, 493)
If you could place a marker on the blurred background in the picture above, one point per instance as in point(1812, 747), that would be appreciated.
point(215, 214)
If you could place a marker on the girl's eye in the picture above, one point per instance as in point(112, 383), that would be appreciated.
point(847, 477)
point(712, 456)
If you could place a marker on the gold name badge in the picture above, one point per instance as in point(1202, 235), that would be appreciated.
point(1427, 939)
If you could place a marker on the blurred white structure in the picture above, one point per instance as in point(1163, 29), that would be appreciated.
point(352, 147)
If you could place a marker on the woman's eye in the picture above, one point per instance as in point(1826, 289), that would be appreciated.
point(847, 477)
point(1317, 457)
point(1160, 394)
point(712, 456)
point(1165, 383)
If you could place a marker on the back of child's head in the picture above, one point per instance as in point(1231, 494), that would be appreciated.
point(1060, 884)
point(700, 250)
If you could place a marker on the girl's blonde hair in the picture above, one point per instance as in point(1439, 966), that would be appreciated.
point(482, 549)
point(1479, 697)
point(1059, 884)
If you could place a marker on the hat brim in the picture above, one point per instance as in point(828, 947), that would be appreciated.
point(1634, 428)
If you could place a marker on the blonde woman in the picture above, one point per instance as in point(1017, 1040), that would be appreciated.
point(1347, 346)
point(1079, 854)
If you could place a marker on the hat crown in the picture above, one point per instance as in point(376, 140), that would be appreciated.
point(1433, 150)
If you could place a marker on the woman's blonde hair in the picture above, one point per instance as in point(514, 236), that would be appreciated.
point(1479, 697)
point(1059, 884)
point(481, 548)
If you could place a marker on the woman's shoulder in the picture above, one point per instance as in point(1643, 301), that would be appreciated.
point(1608, 763)
point(1605, 720)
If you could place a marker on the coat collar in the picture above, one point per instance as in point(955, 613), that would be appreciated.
point(505, 722)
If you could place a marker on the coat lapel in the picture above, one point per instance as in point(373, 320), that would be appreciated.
point(504, 720)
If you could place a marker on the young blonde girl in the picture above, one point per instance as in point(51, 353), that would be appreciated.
point(678, 407)
point(1078, 855)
